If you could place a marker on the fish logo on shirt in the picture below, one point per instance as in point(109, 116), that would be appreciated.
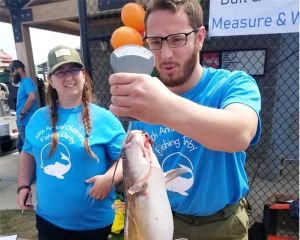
point(182, 183)
point(62, 162)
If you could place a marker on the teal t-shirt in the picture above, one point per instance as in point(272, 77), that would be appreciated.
point(213, 178)
point(26, 86)
point(62, 195)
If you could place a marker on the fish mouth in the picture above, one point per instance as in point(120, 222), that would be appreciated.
point(129, 138)
point(132, 134)
point(147, 139)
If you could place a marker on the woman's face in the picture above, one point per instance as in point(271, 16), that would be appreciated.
point(68, 81)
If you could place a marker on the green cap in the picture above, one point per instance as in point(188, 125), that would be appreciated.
point(61, 55)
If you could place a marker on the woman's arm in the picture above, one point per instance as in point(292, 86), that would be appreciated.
point(26, 170)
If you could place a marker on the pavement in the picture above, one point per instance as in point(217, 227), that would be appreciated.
point(8, 181)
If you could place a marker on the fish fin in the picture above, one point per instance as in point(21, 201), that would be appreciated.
point(138, 188)
point(174, 173)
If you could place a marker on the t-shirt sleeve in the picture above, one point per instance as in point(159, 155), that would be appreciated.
point(29, 86)
point(242, 88)
point(27, 147)
point(117, 133)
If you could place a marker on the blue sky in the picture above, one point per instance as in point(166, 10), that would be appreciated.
point(41, 40)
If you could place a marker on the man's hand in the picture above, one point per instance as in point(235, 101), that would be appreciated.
point(140, 96)
point(21, 117)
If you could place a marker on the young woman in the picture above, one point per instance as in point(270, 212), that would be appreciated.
point(71, 146)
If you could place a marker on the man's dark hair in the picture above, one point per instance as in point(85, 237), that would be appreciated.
point(192, 8)
point(17, 64)
point(14, 65)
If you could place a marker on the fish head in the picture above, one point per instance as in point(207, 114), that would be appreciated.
point(138, 152)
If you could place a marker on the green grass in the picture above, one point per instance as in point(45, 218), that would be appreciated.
point(116, 237)
point(14, 222)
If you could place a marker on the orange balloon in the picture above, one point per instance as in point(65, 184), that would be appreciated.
point(126, 35)
point(132, 15)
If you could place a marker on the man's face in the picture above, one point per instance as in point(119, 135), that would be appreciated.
point(174, 66)
point(15, 75)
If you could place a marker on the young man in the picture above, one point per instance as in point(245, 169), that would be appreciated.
point(27, 102)
point(202, 119)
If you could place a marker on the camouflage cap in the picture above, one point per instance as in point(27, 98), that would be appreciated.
point(61, 55)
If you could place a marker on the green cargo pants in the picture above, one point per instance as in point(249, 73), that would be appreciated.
point(230, 223)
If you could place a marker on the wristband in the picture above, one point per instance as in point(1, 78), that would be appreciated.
point(23, 187)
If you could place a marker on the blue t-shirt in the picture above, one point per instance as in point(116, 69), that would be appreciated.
point(62, 195)
point(213, 179)
point(26, 86)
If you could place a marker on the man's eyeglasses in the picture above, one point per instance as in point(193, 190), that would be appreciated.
point(173, 40)
point(74, 71)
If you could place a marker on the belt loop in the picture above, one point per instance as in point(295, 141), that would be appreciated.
point(245, 204)
point(196, 220)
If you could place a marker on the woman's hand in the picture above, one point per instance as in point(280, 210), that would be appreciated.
point(101, 187)
point(24, 199)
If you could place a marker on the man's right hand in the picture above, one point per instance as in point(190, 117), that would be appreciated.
point(141, 97)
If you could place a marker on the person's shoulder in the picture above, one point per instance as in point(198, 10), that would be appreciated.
point(216, 74)
point(217, 71)
point(240, 74)
point(43, 111)
point(27, 79)
point(229, 75)
point(40, 115)
point(96, 108)
point(241, 77)
point(101, 112)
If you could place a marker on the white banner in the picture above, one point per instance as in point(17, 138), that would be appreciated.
point(250, 17)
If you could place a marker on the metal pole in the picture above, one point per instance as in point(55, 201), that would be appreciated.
point(82, 8)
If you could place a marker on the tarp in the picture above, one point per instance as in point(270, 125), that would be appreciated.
point(5, 58)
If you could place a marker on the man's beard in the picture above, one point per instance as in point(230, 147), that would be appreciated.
point(187, 70)
point(16, 79)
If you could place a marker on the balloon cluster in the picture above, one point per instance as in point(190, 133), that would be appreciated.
point(132, 15)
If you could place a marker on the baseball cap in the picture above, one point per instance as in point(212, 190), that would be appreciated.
point(61, 55)
point(16, 64)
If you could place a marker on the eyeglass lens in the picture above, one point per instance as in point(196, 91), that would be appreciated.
point(174, 40)
point(63, 73)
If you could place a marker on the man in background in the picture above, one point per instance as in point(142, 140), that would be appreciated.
point(27, 102)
